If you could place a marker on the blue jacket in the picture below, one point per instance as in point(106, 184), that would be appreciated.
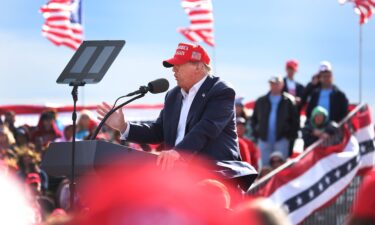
point(210, 126)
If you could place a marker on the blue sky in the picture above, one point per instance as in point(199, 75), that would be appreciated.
point(254, 39)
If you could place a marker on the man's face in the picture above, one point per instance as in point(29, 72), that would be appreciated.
point(290, 72)
point(185, 75)
point(319, 119)
point(326, 78)
point(276, 87)
point(84, 122)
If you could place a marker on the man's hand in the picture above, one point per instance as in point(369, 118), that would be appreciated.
point(167, 159)
point(115, 121)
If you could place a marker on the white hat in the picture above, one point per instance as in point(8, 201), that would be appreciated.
point(275, 79)
point(325, 66)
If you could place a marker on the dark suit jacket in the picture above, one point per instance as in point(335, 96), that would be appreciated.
point(210, 126)
point(299, 88)
point(338, 107)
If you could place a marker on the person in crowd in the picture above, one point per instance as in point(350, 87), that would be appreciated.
point(43, 204)
point(68, 134)
point(274, 121)
point(318, 126)
point(9, 120)
point(8, 155)
point(328, 96)
point(23, 143)
point(294, 88)
point(46, 130)
point(310, 88)
point(276, 160)
point(240, 108)
point(198, 118)
point(242, 111)
point(86, 124)
point(54, 114)
point(27, 163)
point(291, 86)
point(247, 147)
point(260, 211)
point(7, 141)
point(363, 209)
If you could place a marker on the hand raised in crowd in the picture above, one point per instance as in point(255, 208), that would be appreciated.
point(167, 159)
point(116, 120)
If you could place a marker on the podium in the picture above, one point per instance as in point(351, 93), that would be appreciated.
point(93, 155)
point(90, 156)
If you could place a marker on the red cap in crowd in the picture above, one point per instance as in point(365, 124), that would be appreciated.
point(293, 64)
point(187, 53)
point(33, 178)
point(364, 206)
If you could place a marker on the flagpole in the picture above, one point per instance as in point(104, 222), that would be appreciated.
point(214, 60)
point(83, 27)
point(360, 63)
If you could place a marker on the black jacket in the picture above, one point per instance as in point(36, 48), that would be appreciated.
point(309, 138)
point(300, 89)
point(338, 107)
point(287, 120)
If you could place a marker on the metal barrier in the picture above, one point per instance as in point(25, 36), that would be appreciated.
point(336, 213)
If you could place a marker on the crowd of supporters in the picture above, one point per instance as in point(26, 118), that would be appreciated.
point(274, 125)
point(266, 140)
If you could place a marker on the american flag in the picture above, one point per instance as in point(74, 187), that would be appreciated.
point(364, 8)
point(318, 178)
point(63, 22)
point(201, 27)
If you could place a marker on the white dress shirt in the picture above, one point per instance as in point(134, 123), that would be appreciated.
point(187, 100)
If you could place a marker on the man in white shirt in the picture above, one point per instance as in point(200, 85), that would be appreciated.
point(198, 116)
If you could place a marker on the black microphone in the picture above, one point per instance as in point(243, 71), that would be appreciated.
point(156, 86)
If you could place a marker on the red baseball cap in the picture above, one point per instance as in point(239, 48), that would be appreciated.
point(187, 53)
point(293, 64)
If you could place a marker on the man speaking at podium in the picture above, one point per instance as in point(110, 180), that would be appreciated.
point(198, 115)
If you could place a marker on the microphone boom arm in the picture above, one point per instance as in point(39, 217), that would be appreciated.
point(93, 136)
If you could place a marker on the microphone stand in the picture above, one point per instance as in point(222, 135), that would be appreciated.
point(93, 136)
point(75, 86)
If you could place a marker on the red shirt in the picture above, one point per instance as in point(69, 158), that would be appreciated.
point(253, 152)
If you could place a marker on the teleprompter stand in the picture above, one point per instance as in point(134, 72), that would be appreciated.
point(88, 65)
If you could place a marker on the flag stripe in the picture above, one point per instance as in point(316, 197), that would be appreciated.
point(309, 177)
point(303, 165)
point(62, 23)
point(201, 21)
point(328, 195)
